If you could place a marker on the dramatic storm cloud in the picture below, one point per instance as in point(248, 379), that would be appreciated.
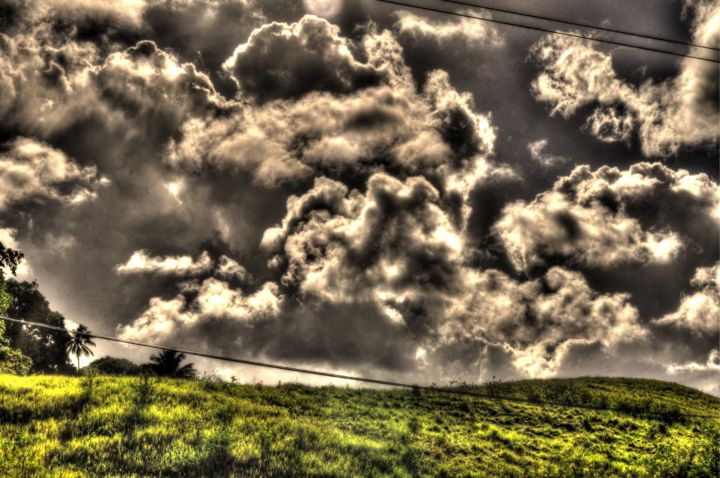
point(540, 322)
point(31, 171)
point(680, 111)
point(364, 189)
point(281, 61)
point(213, 300)
point(610, 217)
point(392, 242)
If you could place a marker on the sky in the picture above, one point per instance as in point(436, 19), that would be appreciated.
point(371, 189)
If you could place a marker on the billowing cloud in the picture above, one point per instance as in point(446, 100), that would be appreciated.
point(205, 31)
point(609, 217)
point(212, 300)
point(180, 266)
point(392, 243)
point(145, 80)
point(395, 253)
point(32, 171)
point(538, 323)
point(554, 228)
point(396, 247)
point(389, 127)
point(47, 81)
point(52, 83)
point(699, 311)
point(205, 23)
point(667, 115)
point(283, 60)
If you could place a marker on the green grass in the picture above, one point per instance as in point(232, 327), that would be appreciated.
point(128, 426)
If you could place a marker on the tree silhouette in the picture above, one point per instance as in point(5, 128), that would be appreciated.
point(10, 259)
point(48, 349)
point(80, 343)
point(167, 364)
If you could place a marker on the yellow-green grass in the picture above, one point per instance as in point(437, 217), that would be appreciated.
point(130, 426)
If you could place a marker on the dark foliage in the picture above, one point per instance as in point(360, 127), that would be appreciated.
point(168, 364)
point(80, 343)
point(46, 348)
point(10, 258)
point(114, 366)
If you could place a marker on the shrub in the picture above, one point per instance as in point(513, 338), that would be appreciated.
point(14, 361)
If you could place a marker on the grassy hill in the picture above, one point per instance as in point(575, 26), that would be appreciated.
point(112, 426)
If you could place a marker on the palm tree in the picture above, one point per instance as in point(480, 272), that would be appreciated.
point(167, 364)
point(80, 343)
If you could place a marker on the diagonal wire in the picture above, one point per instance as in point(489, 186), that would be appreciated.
point(428, 388)
point(547, 30)
point(578, 24)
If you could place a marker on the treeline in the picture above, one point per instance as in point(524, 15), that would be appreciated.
point(167, 363)
point(25, 350)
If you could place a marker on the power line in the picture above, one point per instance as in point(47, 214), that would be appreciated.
point(582, 25)
point(548, 30)
point(375, 381)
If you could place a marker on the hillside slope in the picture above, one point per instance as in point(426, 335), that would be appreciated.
point(64, 426)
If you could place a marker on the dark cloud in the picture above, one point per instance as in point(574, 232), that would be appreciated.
point(610, 217)
point(283, 60)
point(391, 244)
point(539, 322)
point(125, 14)
point(211, 298)
point(205, 31)
point(447, 40)
point(678, 112)
point(45, 81)
point(146, 81)
point(389, 127)
point(34, 172)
